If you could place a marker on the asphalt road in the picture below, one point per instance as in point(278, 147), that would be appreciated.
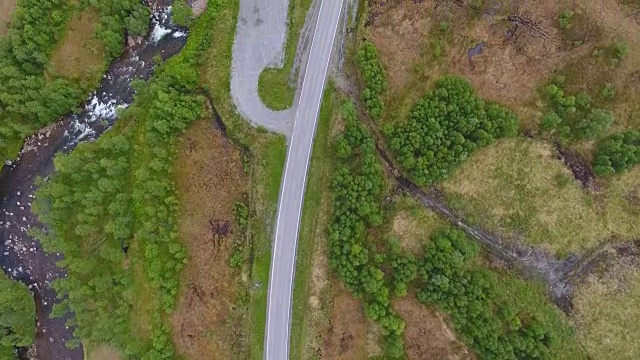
point(260, 37)
point(283, 256)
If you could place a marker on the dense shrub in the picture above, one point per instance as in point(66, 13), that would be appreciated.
point(375, 81)
point(17, 317)
point(617, 153)
point(404, 266)
point(494, 330)
point(445, 127)
point(574, 117)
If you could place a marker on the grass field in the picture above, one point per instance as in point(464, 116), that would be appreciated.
point(266, 161)
point(519, 187)
point(607, 310)
point(274, 87)
point(210, 181)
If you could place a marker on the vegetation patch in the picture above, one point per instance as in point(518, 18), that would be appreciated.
point(427, 334)
point(519, 188)
point(445, 127)
point(347, 337)
point(606, 312)
point(31, 96)
point(211, 310)
point(617, 153)
point(493, 325)
point(375, 81)
point(111, 209)
point(574, 117)
point(7, 8)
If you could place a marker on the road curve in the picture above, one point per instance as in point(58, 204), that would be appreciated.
point(259, 43)
point(276, 346)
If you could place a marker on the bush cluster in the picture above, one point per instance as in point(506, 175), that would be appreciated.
point(616, 153)
point(494, 330)
point(445, 127)
point(117, 193)
point(375, 80)
point(574, 117)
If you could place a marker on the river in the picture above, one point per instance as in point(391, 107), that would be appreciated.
point(21, 256)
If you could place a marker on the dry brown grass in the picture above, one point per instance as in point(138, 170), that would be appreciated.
point(79, 55)
point(210, 181)
point(519, 187)
point(346, 338)
point(515, 62)
point(427, 335)
point(6, 11)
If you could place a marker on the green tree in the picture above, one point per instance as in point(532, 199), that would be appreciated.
point(17, 316)
point(617, 153)
point(445, 127)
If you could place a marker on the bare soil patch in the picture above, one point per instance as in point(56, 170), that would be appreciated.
point(6, 11)
point(210, 181)
point(427, 335)
point(198, 6)
point(346, 337)
point(80, 54)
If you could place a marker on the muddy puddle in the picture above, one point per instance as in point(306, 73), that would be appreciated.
point(21, 256)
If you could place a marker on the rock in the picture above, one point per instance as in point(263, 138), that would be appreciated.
point(8, 162)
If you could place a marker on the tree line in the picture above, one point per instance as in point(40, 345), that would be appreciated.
point(357, 189)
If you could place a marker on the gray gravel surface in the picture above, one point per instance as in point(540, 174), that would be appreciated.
point(259, 43)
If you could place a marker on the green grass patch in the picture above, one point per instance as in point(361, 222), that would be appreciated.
point(607, 309)
point(265, 188)
point(512, 187)
point(531, 298)
point(274, 87)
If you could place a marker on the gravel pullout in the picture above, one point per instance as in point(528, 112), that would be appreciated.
point(259, 43)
